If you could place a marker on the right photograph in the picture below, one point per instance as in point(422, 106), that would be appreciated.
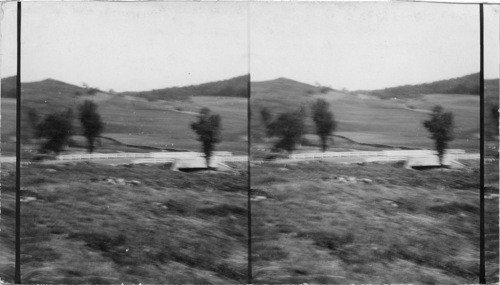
point(365, 142)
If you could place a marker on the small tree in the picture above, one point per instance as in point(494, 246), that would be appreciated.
point(208, 128)
point(91, 123)
point(324, 121)
point(266, 118)
point(440, 125)
point(289, 127)
point(56, 128)
point(33, 120)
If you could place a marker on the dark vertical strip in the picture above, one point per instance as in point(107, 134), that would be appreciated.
point(482, 267)
point(17, 273)
point(249, 141)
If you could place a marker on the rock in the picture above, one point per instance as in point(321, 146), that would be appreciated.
point(120, 180)
point(258, 198)
point(110, 181)
point(27, 199)
point(351, 179)
point(342, 179)
point(134, 182)
point(283, 169)
point(366, 180)
point(50, 170)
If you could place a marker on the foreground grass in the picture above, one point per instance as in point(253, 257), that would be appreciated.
point(406, 226)
point(7, 222)
point(172, 228)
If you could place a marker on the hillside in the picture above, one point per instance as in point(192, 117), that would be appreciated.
point(9, 87)
point(468, 84)
point(369, 118)
point(233, 87)
point(131, 119)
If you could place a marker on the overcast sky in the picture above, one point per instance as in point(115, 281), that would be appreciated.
point(369, 45)
point(141, 46)
point(134, 46)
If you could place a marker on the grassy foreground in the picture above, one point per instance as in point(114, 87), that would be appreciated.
point(97, 224)
point(7, 222)
point(403, 226)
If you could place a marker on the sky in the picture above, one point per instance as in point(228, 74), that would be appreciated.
point(369, 45)
point(130, 46)
point(134, 46)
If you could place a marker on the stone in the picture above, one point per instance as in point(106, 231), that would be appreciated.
point(120, 180)
point(134, 182)
point(27, 199)
point(366, 180)
point(50, 170)
point(351, 179)
point(342, 179)
point(258, 198)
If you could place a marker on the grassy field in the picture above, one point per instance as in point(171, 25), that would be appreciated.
point(405, 226)
point(7, 222)
point(370, 119)
point(166, 227)
point(159, 123)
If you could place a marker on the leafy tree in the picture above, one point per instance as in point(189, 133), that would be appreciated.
point(440, 125)
point(289, 127)
point(208, 128)
point(33, 118)
point(266, 118)
point(91, 123)
point(56, 128)
point(324, 121)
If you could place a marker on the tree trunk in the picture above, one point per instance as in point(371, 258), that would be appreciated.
point(324, 143)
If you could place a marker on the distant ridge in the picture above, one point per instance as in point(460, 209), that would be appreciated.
point(233, 87)
point(468, 84)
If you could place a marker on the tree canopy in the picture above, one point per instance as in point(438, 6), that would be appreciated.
point(440, 125)
point(91, 123)
point(324, 121)
point(208, 128)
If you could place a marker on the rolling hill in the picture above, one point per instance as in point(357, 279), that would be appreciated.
point(133, 119)
point(233, 87)
point(370, 117)
point(468, 84)
point(8, 89)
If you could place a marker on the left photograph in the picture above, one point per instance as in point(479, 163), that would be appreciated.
point(134, 143)
point(8, 45)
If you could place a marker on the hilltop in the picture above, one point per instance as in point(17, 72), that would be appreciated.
point(233, 87)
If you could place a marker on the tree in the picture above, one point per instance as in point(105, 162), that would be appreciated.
point(208, 128)
point(33, 119)
point(56, 128)
point(324, 121)
point(440, 125)
point(91, 123)
point(266, 118)
point(289, 127)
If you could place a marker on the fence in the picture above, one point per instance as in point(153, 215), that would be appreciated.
point(172, 159)
point(384, 153)
point(86, 156)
